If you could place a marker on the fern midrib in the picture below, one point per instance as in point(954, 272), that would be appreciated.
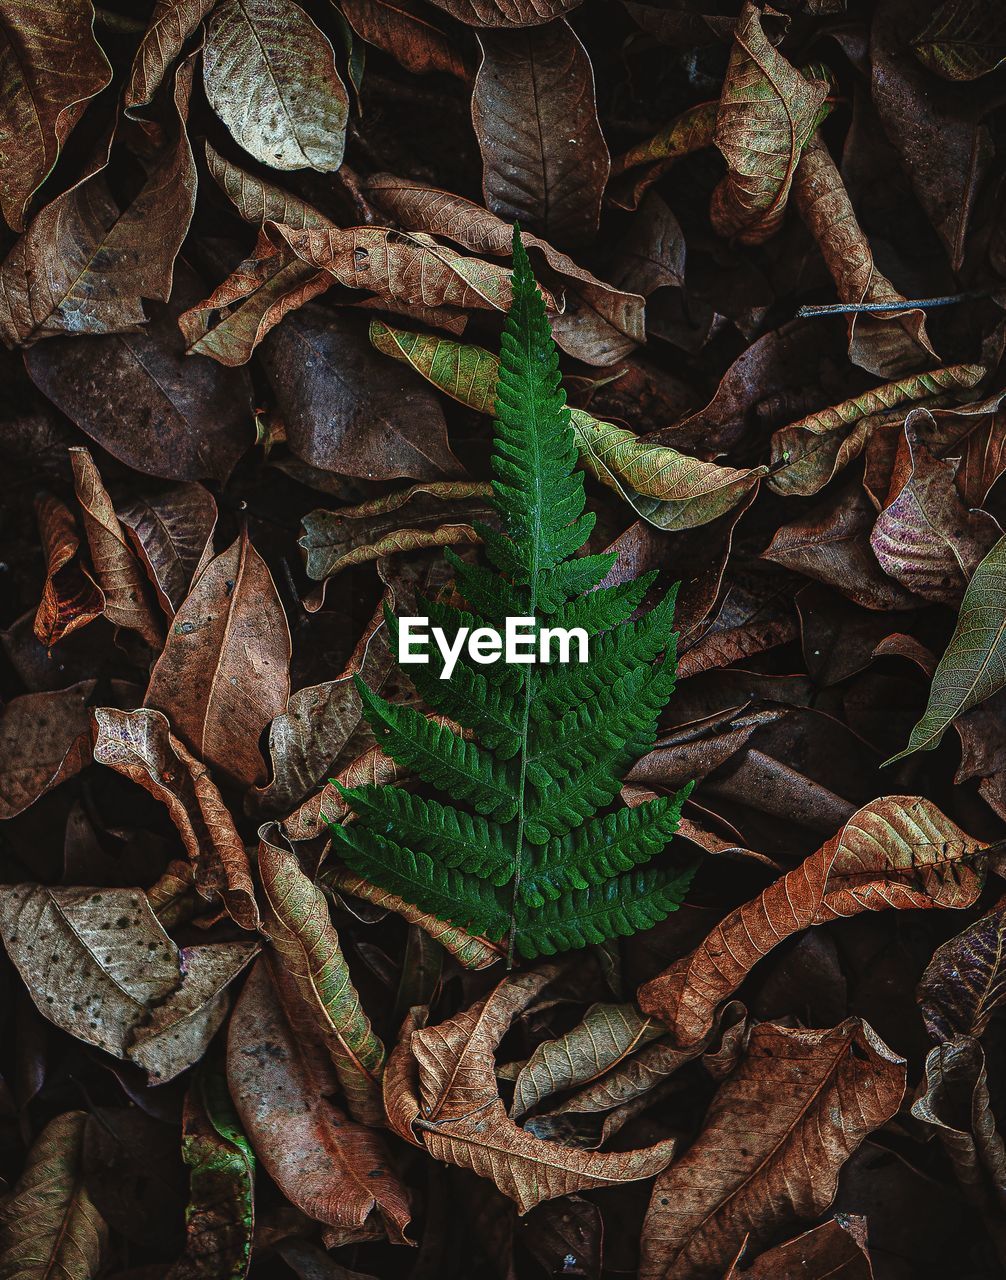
point(528, 677)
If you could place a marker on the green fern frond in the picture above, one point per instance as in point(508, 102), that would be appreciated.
point(526, 837)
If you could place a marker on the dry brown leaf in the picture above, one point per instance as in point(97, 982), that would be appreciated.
point(84, 264)
point(307, 946)
point(169, 26)
point(773, 1143)
point(836, 1250)
point(45, 738)
point(172, 533)
point(281, 1079)
point(405, 29)
point(225, 669)
point(897, 851)
point(766, 115)
point(51, 1225)
point(506, 13)
point(886, 345)
point(98, 964)
point(140, 745)
point(70, 597)
point(463, 1119)
point(120, 575)
point(50, 68)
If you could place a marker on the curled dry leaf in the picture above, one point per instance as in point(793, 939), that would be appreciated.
point(140, 745)
point(887, 346)
point(120, 575)
point(270, 76)
point(50, 68)
point(691, 131)
point(898, 851)
point(767, 113)
point(51, 1225)
point(463, 1119)
point(70, 597)
point(45, 738)
point(544, 158)
point(954, 1101)
point(220, 1218)
point(470, 951)
point(281, 1080)
point(965, 981)
point(757, 1165)
point(808, 453)
point(306, 944)
point(407, 31)
point(925, 538)
point(170, 24)
point(607, 1034)
point(224, 673)
point(172, 533)
point(429, 518)
point(84, 264)
point(600, 323)
point(98, 964)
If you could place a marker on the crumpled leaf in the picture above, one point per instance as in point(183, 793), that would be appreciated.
point(887, 346)
point(463, 1120)
point(70, 596)
point(925, 538)
point(50, 68)
point(170, 24)
point(808, 453)
point(119, 574)
point(972, 667)
point(270, 76)
point(963, 39)
point(84, 263)
point(220, 1218)
point(774, 1140)
point(965, 981)
point(836, 1250)
point(897, 851)
point(767, 113)
point(281, 1079)
point(171, 531)
point(224, 673)
point(954, 1101)
point(77, 950)
point(45, 738)
point(140, 745)
point(544, 158)
point(600, 323)
point(691, 131)
point(607, 1034)
point(307, 946)
point(331, 544)
point(51, 1225)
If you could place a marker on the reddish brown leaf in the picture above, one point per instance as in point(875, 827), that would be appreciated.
point(774, 1140)
point(405, 29)
point(172, 533)
point(506, 13)
point(898, 851)
point(70, 598)
point(169, 26)
point(224, 673)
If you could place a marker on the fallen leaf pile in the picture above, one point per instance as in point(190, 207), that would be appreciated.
point(254, 257)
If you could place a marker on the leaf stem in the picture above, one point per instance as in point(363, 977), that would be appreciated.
point(906, 304)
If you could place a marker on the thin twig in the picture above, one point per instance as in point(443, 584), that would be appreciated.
point(907, 304)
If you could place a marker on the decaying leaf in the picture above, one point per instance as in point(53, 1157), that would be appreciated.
point(963, 39)
point(169, 26)
point(44, 739)
point(51, 1226)
point(463, 1119)
point(171, 530)
point(224, 672)
point(898, 851)
point(756, 1166)
point(280, 1078)
point(99, 965)
point(270, 75)
point(70, 597)
point(965, 982)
